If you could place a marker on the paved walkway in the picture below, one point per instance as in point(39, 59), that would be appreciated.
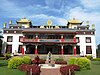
point(49, 71)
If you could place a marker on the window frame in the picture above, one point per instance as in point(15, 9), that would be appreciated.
point(88, 51)
point(9, 37)
point(88, 38)
point(20, 37)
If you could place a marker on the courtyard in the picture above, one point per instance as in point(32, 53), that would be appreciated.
point(95, 70)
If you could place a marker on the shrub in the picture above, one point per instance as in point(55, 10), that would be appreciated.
point(75, 67)
point(96, 59)
point(72, 61)
point(41, 61)
point(7, 55)
point(56, 59)
point(89, 57)
point(35, 70)
point(65, 70)
point(26, 60)
point(2, 58)
point(15, 62)
point(60, 62)
point(84, 63)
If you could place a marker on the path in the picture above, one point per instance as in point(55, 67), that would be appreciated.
point(48, 71)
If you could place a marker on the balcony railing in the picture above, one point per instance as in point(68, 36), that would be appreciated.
point(48, 40)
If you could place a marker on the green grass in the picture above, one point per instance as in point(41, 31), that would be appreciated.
point(95, 69)
point(5, 71)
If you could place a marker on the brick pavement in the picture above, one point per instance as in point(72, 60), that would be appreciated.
point(49, 71)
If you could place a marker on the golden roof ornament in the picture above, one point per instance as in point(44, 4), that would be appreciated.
point(10, 22)
point(56, 26)
point(24, 17)
point(4, 25)
point(87, 22)
point(49, 22)
point(74, 21)
point(70, 25)
point(93, 26)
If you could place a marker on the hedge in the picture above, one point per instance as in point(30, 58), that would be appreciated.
point(15, 62)
point(84, 63)
point(27, 60)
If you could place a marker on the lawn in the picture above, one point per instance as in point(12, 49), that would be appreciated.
point(95, 69)
point(5, 71)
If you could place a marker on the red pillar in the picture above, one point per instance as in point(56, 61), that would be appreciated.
point(36, 50)
point(36, 39)
point(22, 50)
point(62, 39)
point(62, 50)
point(23, 38)
point(75, 50)
point(74, 39)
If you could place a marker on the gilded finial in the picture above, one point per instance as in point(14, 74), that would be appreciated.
point(49, 22)
point(4, 25)
point(70, 25)
point(93, 26)
point(24, 17)
point(10, 22)
point(87, 22)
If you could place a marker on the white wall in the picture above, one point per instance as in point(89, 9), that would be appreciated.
point(83, 44)
point(15, 44)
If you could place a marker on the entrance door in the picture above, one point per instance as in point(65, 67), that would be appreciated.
point(30, 49)
point(49, 48)
point(68, 49)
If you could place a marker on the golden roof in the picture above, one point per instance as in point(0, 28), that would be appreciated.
point(74, 21)
point(24, 20)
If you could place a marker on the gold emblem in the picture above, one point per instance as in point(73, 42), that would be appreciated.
point(49, 22)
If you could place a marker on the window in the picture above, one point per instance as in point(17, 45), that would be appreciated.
point(20, 38)
point(88, 39)
point(20, 49)
point(88, 50)
point(9, 38)
point(77, 39)
point(9, 49)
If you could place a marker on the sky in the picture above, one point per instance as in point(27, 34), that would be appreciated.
point(59, 11)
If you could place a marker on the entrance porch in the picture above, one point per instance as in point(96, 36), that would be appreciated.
point(54, 49)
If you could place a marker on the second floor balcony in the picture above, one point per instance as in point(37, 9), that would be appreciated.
point(49, 40)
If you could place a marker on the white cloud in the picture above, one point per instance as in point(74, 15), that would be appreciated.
point(82, 14)
point(91, 3)
point(43, 19)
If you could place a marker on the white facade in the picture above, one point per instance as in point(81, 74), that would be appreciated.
point(15, 43)
point(83, 44)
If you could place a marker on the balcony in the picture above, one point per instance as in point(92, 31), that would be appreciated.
point(49, 41)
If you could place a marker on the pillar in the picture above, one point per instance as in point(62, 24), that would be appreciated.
point(62, 38)
point(23, 38)
point(36, 49)
point(75, 50)
point(62, 49)
point(74, 39)
point(22, 50)
point(36, 39)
